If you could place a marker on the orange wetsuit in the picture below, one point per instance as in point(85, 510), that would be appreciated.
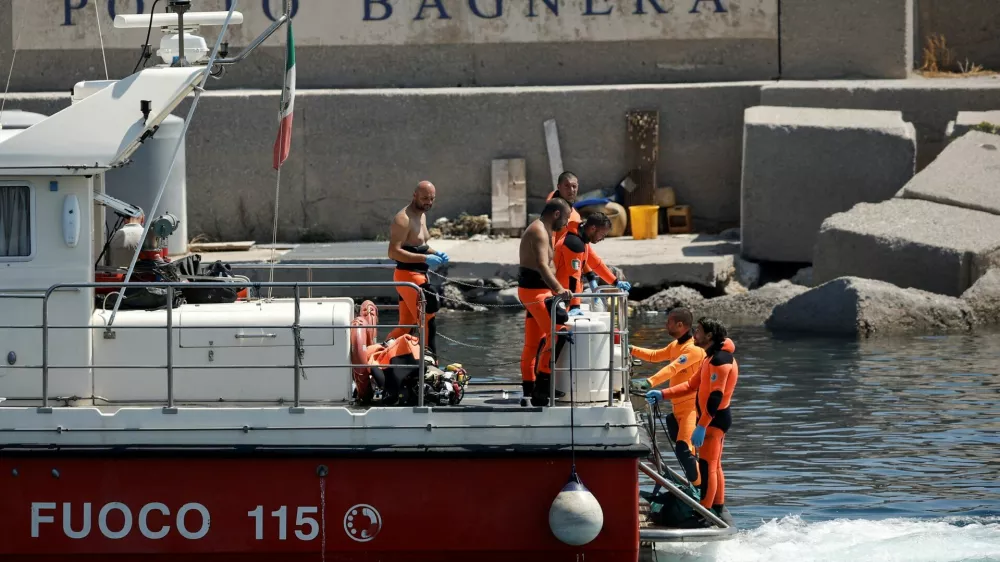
point(685, 361)
point(714, 384)
point(573, 256)
point(536, 354)
point(415, 273)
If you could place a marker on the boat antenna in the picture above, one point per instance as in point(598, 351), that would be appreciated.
point(97, 13)
point(10, 73)
point(198, 90)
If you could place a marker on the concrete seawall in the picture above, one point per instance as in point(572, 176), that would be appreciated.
point(356, 154)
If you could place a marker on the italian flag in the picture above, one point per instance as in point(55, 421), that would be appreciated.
point(283, 144)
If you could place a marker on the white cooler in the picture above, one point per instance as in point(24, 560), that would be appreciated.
point(591, 357)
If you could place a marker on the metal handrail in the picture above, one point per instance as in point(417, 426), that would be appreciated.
point(702, 510)
point(172, 286)
point(614, 294)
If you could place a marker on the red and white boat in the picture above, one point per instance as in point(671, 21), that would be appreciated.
point(229, 431)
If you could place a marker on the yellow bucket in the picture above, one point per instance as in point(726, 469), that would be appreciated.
point(645, 221)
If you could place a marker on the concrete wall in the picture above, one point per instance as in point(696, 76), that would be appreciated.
point(846, 38)
point(357, 154)
point(56, 55)
point(927, 103)
point(971, 28)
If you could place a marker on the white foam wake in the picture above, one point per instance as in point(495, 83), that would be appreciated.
point(851, 540)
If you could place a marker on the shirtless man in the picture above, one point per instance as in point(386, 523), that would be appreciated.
point(408, 248)
point(536, 286)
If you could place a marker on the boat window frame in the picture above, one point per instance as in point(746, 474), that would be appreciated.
point(32, 216)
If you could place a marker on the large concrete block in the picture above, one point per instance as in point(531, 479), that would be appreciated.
point(965, 121)
point(909, 243)
point(846, 38)
point(927, 103)
point(966, 174)
point(801, 165)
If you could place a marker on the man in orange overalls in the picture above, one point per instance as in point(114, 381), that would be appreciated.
point(537, 288)
point(575, 255)
point(567, 186)
point(713, 386)
point(408, 247)
point(684, 358)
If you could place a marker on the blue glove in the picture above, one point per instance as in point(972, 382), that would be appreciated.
point(624, 286)
point(698, 437)
point(434, 261)
point(654, 396)
point(576, 312)
point(443, 256)
point(593, 285)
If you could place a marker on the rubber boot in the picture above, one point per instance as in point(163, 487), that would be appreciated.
point(723, 514)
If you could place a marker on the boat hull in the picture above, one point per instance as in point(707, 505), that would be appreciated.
point(316, 507)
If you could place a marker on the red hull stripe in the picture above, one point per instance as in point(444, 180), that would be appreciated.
point(292, 509)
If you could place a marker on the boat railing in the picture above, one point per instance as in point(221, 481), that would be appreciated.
point(617, 334)
point(171, 288)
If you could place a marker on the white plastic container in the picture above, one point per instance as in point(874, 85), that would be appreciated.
point(591, 353)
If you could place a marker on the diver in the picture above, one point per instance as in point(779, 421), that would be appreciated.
point(713, 386)
point(398, 381)
point(574, 253)
point(684, 358)
point(537, 286)
point(408, 247)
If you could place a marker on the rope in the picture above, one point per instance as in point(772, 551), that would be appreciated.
point(470, 285)
point(10, 73)
point(100, 34)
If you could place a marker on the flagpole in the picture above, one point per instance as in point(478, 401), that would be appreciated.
point(277, 184)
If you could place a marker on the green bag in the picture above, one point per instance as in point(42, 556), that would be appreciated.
point(667, 510)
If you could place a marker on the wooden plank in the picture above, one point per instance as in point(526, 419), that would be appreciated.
point(500, 174)
point(509, 195)
point(642, 149)
point(555, 153)
point(221, 246)
point(517, 194)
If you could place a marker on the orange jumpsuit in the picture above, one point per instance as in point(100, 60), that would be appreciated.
point(536, 354)
point(714, 384)
point(415, 273)
point(573, 256)
point(403, 354)
point(685, 361)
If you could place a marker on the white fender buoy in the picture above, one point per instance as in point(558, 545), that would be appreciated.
point(576, 517)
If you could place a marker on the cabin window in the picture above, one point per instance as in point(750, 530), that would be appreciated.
point(15, 221)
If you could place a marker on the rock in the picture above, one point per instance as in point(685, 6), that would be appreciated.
point(968, 120)
point(803, 277)
point(851, 306)
point(454, 300)
point(909, 243)
point(441, 222)
point(747, 273)
point(734, 287)
point(801, 165)
point(964, 175)
point(503, 297)
point(731, 234)
point(984, 298)
point(751, 308)
point(673, 297)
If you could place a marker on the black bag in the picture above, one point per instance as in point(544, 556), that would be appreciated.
point(214, 294)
